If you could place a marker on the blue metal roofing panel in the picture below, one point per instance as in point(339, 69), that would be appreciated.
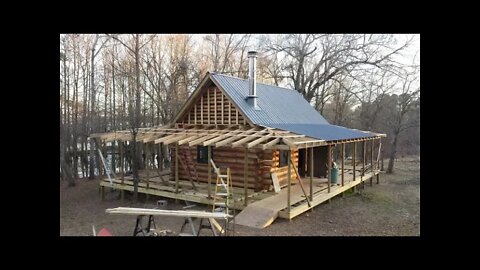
point(277, 104)
point(285, 109)
point(325, 132)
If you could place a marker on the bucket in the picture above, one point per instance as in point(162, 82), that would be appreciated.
point(334, 175)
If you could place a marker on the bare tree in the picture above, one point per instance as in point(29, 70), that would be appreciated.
point(404, 104)
point(313, 60)
point(93, 113)
point(135, 111)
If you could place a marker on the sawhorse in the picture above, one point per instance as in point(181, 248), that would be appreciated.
point(139, 226)
point(201, 226)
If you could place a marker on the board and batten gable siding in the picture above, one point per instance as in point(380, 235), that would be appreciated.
point(212, 107)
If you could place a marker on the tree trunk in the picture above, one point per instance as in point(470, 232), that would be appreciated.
point(137, 115)
point(66, 172)
point(393, 152)
point(92, 114)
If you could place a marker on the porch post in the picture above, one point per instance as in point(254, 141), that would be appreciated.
point(364, 148)
point(289, 178)
point(329, 164)
point(311, 174)
point(122, 167)
point(245, 169)
point(354, 164)
point(209, 167)
point(343, 161)
point(371, 163)
point(176, 167)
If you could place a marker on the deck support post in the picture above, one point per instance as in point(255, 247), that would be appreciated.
point(245, 169)
point(122, 161)
point(289, 178)
point(176, 167)
point(160, 154)
point(329, 165)
point(371, 161)
point(364, 149)
point(343, 163)
point(147, 168)
point(354, 165)
point(98, 162)
point(311, 174)
point(209, 166)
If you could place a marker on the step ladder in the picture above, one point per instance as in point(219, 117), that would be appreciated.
point(223, 198)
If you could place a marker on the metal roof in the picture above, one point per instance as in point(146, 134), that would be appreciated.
point(325, 132)
point(277, 104)
point(284, 109)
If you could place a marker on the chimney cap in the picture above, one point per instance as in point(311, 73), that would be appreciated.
point(252, 53)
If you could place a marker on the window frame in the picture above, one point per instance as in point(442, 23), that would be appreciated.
point(283, 162)
point(201, 148)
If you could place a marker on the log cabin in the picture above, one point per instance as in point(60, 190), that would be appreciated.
point(270, 139)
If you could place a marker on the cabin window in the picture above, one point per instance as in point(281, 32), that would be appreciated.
point(283, 158)
point(202, 154)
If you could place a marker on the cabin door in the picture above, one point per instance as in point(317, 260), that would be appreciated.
point(301, 162)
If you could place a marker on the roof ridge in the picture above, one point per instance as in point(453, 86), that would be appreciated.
point(233, 77)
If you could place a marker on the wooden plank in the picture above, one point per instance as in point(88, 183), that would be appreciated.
point(262, 213)
point(300, 181)
point(218, 138)
point(256, 216)
point(165, 138)
point(228, 140)
point(217, 225)
point(201, 110)
point(276, 183)
point(319, 198)
point(257, 141)
point(236, 110)
point(246, 139)
point(229, 112)
point(172, 213)
point(201, 139)
point(189, 138)
point(187, 170)
point(271, 143)
point(168, 194)
point(175, 139)
point(288, 142)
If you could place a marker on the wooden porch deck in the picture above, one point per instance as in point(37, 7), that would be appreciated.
point(166, 188)
point(263, 207)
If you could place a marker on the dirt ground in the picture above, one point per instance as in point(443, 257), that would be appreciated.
point(391, 208)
